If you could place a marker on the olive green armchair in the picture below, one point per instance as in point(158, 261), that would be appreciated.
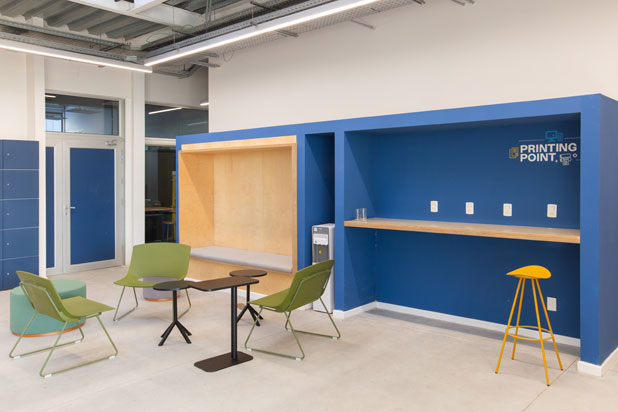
point(307, 287)
point(46, 302)
point(170, 260)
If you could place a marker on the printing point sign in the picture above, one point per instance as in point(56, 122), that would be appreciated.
point(554, 148)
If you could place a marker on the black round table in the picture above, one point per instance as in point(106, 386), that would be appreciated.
point(249, 273)
point(174, 286)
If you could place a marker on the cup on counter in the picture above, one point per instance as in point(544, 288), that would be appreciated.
point(361, 214)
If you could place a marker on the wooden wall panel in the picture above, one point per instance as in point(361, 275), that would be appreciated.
point(195, 200)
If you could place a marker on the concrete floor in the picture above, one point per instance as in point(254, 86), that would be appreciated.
point(384, 362)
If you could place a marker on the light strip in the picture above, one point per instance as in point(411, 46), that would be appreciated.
point(165, 110)
point(51, 96)
point(65, 55)
point(204, 103)
point(274, 25)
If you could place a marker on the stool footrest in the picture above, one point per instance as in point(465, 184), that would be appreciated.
point(535, 328)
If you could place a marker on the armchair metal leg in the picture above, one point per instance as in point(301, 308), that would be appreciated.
point(49, 374)
point(318, 334)
point(189, 300)
point(12, 356)
point(287, 316)
point(116, 318)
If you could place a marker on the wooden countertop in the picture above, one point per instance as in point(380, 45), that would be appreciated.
point(546, 234)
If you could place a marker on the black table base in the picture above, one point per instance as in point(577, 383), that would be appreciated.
point(222, 361)
point(183, 331)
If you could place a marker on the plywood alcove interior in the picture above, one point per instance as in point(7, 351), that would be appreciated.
point(239, 194)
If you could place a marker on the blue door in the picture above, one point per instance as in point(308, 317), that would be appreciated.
point(92, 207)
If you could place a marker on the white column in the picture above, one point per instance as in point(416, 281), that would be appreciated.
point(135, 165)
point(35, 89)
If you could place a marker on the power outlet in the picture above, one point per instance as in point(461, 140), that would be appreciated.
point(507, 209)
point(552, 304)
point(433, 206)
point(552, 210)
point(469, 208)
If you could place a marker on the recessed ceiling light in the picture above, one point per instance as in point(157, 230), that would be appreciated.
point(165, 110)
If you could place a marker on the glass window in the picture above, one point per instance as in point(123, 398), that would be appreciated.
point(160, 193)
point(169, 122)
point(73, 114)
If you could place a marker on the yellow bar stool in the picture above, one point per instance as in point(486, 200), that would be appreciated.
point(533, 273)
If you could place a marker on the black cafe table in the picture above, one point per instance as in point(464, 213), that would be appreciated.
point(174, 286)
point(234, 357)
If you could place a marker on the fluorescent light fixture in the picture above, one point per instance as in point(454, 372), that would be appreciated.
point(204, 103)
point(65, 55)
point(171, 109)
point(50, 96)
point(270, 26)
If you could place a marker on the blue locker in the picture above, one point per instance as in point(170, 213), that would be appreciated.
point(20, 184)
point(20, 154)
point(19, 210)
point(11, 266)
point(20, 213)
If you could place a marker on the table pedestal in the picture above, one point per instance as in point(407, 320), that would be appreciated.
point(227, 359)
point(183, 331)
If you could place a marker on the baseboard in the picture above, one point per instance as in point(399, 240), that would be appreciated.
point(343, 314)
point(459, 320)
point(597, 370)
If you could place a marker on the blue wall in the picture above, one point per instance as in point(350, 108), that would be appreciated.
point(49, 206)
point(472, 164)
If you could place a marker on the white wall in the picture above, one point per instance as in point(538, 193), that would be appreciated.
point(13, 96)
point(439, 55)
point(170, 91)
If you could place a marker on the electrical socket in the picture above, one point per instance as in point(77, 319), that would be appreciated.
point(552, 210)
point(469, 208)
point(507, 209)
point(552, 304)
point(433, 206)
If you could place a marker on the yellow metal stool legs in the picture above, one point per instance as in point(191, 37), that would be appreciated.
point(521, 298)
point(549, 325)
point(506, 332)
point(533, 273)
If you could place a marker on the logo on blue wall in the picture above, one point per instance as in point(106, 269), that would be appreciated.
point(553, 148)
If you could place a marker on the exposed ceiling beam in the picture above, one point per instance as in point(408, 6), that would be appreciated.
point(160, 13)
point(141, 5)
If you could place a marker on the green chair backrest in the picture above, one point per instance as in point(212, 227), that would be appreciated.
point(307, 286)
point(43, 296)
point(160, 259)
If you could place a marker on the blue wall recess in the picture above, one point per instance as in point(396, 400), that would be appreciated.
point(528, 154)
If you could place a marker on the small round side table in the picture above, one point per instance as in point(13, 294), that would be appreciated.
point(249, 273)
point(174, 286)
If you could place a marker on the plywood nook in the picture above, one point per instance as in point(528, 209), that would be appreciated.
point(237, 208)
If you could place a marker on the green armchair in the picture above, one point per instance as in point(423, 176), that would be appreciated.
point(45, 300)
point(169, 260)
point(307, 286)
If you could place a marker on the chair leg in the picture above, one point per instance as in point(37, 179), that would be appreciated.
point(111, 356)
point(551, 331)
point(188, 300)
point(284, 355)
point(12, 356)
point(508, 324)
point(116, 318)
point(538, 321)
point(317, 334)
point(521, 298)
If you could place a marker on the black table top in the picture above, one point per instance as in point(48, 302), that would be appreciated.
point(222, 283)
point(249, 273)
point(173, 285)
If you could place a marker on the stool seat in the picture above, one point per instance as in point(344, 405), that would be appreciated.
point(21, 310)
point(531, 272)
